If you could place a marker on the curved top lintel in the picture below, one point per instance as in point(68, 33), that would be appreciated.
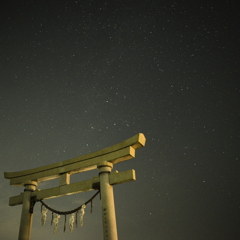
point(135, 142)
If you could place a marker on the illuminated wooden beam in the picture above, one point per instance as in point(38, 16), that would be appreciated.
point(69, 189)
point(120, 152)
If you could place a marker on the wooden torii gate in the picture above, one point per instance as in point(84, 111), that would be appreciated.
point(102, 160)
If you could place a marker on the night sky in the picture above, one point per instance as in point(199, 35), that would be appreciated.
point(79, 76)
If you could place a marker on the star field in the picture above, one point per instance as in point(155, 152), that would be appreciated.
point(79, 76)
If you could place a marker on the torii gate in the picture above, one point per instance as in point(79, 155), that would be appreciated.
point(103, 160)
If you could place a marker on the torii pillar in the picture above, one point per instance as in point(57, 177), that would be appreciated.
point(26, 217)
point(107, 202)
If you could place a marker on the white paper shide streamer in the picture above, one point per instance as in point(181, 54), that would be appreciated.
point(56, 214)
point(44, 216)
point(71, 221)
point(81, 214)
point(56, 223)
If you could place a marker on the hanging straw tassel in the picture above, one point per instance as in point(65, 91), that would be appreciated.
point(52, 218)
point(65, 223)
point(76, 218)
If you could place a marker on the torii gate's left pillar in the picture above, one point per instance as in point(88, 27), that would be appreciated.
point(26, 217)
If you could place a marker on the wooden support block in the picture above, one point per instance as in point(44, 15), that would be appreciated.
point(64, 179)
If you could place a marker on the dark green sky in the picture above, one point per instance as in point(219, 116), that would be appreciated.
point(79, 76)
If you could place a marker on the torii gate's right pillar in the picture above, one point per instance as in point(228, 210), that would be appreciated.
point(107, 202)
